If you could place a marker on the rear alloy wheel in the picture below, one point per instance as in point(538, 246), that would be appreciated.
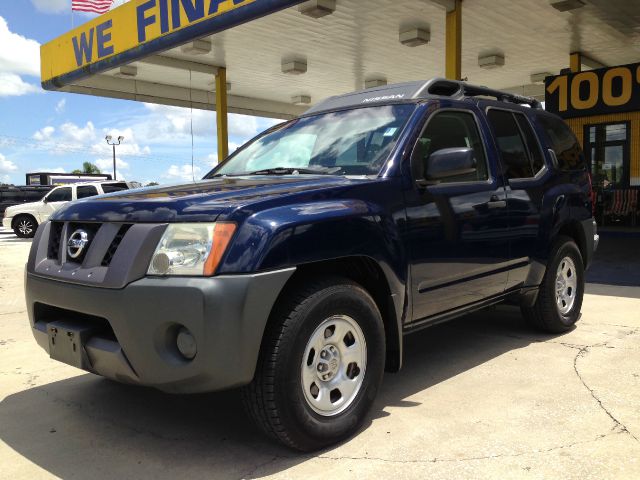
point(559, 301)
point(320, 365)
point(25, 226)
point(566, 285)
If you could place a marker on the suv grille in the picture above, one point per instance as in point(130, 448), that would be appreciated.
point(57, 243)
point(111, 251)
point(55, 238)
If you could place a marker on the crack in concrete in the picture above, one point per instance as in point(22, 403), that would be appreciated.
point(469, 459)
point(583, 353)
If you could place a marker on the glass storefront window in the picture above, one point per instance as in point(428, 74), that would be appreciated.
point(612, 168)
point(608, 152)
point(616, 132)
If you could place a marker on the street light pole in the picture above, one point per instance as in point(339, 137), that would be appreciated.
point(113, 144)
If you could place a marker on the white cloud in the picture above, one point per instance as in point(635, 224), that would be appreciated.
point(169, 122)
point(243, 125)
point(128, 147)
point(18, 54)
point(183, 172)
point(72, 133)
point(7, 166)
point(52, 6)
point(50, 170)
point(12, 85)
point(44, 133)
point(212, 159)
point(61, 105)
point(106, 164)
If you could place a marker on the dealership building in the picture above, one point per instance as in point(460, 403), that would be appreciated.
point(276, 58)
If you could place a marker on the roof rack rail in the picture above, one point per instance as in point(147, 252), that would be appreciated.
point(458, 89)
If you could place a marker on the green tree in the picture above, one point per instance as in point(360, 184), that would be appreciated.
point(87, 167)
point(152, 184)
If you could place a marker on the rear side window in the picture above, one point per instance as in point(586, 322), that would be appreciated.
point(563, 142)
point(60, 195)
point(86, 191)
point(535, 154)
point(114, 187)
point(520, 152)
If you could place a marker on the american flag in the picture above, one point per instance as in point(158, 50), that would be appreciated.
point(95, 6)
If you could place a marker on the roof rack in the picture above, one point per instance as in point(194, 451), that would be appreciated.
point(458, 90)
point(417, 90)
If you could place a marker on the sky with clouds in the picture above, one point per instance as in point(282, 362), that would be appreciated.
point(51, 131)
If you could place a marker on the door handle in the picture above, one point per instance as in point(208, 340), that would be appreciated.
point(495, 202)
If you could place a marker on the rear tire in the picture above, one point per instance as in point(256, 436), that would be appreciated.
point(25, 226)
point(320, 365)
point(559, 301)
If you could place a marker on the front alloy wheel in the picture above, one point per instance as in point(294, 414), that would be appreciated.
point(320, 365)
point(334, 365)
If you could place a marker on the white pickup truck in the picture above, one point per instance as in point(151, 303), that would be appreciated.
point(25, 218)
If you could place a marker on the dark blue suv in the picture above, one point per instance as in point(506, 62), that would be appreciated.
point(295, 268)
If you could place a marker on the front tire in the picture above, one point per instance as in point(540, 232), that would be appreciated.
point(559, 301)
point(25, 226)
point(320, 365)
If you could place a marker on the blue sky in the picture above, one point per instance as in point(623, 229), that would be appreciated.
point(49, 131)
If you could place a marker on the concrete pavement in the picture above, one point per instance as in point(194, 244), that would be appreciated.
point(479, 397)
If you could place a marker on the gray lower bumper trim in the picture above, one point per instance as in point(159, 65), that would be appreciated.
point(227, 316)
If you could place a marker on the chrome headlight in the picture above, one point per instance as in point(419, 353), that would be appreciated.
point(192, 249)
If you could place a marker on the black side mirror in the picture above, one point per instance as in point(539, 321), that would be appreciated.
point(447, 163)
point(44, 200)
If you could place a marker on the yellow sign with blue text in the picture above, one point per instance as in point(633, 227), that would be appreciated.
point(140, 28)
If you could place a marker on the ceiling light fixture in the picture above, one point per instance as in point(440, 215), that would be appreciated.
point(318, 8)
point(491, 61)
point(301, 100)
point(294, 67)
point(197, 47)
point(375, 82)
point(415, 37)
point(538, 78)
point(568, 5)
point(127, 71)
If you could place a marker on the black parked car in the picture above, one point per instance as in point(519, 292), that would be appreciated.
point(295, 268)
point(15, 195)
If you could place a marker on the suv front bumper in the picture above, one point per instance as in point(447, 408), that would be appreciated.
point(226, 315)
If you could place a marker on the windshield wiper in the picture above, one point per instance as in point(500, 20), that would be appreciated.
point(295, 171)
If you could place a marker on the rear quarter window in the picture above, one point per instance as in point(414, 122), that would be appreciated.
point(563, 142)
point(114, 187)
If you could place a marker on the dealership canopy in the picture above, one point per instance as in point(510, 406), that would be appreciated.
point(278, 57)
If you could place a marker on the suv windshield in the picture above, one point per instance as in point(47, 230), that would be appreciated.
point(350, 142)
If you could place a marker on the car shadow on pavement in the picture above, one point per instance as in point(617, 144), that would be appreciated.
point(90, 427)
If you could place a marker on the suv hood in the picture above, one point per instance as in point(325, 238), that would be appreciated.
point(195, 202)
